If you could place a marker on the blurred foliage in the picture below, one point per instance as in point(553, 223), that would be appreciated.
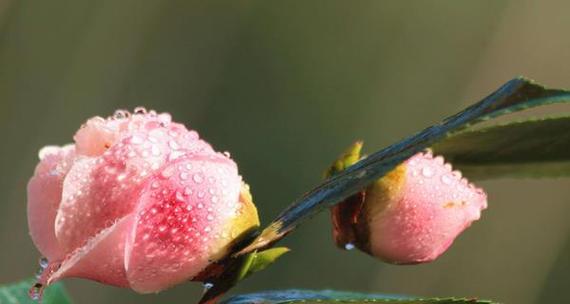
point(17, 293)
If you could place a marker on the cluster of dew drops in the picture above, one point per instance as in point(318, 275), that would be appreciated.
point(37, 289)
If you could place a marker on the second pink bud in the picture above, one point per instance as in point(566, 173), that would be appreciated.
point(412, 214)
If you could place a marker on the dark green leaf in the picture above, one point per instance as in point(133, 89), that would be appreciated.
point(331, 296)
point(516, 95)
point(531, 148)
point(17, 293)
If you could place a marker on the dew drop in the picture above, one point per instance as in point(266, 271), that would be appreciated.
point(155, 150)
point(137, 140)
point(192, 135)
point(349, 246)
point(427, 172)
point(43, 262)
point(140, 110)
point(166, 173)
point(179, 196)
point(48, 150)
point(439, 160)
point(456, 174)
point(120, 114)
point(173, 145)
point(184, 176)
point(446, 179)
point(227, 154)
point(208, 286)
point(35, 293)
point(187, 191)
point(198, 178)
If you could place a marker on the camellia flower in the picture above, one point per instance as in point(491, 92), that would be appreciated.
point(138, 201)
point(412, 214)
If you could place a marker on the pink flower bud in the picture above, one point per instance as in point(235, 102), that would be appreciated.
point(138, 201)
point(411, 215)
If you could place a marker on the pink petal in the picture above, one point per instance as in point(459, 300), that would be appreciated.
point(101, 258)
point(100, 190)
point(44, 196)
point(181, 220)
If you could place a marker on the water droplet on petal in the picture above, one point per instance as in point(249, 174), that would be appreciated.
point(456, 174)
point(187, 191)
point(120, 114)
point(446, 179)
point(427, 172)
point(173, 145)
point(140, 110)
point(43, 262)
point(45, 151)
point(198, 178)
point(35, 293)
point(155, 150)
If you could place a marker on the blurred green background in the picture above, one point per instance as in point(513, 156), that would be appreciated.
point(285, 86)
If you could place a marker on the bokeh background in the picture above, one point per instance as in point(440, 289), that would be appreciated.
point(285, 86)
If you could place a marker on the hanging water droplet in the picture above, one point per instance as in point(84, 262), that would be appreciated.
point(43, 262)
point(227, 154)
point(36, 291)
point(349, 246)
point(208, 286)
point(446, 179)
point(39, 273)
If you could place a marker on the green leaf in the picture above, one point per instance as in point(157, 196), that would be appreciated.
point(17, 293)
point(529, 148)
point(261, 260)
point(516, 95)
point(331, 296)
